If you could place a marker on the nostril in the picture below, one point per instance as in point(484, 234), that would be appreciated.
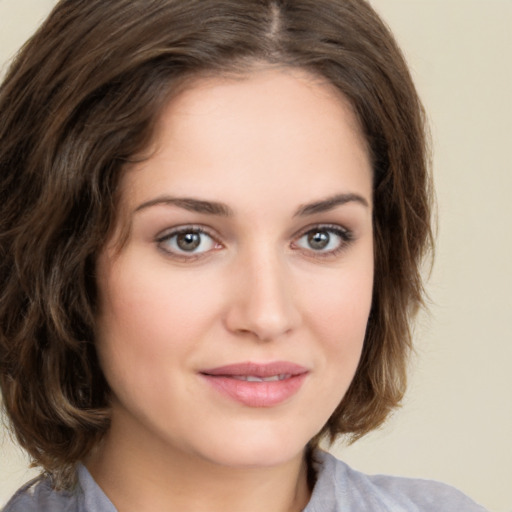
point(261, 304)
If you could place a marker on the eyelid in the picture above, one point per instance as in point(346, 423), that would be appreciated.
point(169, 233)
point(183, 228)
point(346, 235)
point(326, 227)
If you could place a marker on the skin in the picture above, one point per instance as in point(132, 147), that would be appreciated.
point(255, 290)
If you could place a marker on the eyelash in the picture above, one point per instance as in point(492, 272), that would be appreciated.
point(196, 230)
point(345, 238)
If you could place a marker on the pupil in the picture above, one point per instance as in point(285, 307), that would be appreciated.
point(189, 241)
point(318, 240)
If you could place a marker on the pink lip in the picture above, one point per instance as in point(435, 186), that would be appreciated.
point(229, 381)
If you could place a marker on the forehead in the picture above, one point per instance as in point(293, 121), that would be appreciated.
point(253, 132)
point(284, 99)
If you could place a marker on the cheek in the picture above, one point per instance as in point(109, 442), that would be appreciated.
point(149, 323)
point(150, 305)
point(150, 327)
point(337, 314)
point(339, 303)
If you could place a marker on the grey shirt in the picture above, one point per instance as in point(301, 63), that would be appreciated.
point(338, 489)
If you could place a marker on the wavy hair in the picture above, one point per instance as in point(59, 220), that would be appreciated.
point(81, 100)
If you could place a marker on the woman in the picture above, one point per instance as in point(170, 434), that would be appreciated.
point(213, 217)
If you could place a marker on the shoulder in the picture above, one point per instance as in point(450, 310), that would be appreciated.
point(341, 487)
point(38, 495)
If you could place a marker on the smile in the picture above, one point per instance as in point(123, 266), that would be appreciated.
point(257, 385)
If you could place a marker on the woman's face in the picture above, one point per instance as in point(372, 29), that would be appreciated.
point(232, 321)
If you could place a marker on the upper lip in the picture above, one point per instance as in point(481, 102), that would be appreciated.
point(257, 369)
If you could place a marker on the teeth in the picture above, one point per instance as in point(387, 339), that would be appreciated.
point(253, 378)
point(250, 378)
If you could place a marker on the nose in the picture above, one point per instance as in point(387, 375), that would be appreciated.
point(262, 303)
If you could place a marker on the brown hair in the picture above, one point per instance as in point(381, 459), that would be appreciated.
point(82, 98)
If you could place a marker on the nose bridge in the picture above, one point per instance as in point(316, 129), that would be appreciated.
point(263, 301)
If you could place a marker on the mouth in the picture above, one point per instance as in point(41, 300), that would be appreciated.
point(257, 385)
point(254, 378)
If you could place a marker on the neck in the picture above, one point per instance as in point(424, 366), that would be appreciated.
point(137, 476)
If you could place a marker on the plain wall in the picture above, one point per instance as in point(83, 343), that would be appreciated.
point(456, 422)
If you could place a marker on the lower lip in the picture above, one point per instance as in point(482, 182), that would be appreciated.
point(257, 394)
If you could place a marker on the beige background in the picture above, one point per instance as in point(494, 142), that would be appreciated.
point(456, 423)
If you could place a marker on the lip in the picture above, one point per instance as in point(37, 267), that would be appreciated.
point(230, 381)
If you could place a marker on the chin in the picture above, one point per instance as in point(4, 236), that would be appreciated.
point(254, 456)
point(255, 449)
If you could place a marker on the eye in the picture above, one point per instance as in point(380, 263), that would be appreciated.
point(187, 241)
point(324, 240)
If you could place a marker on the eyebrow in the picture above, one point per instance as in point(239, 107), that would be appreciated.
point(223, 210)
point(190, 204)
point(330, 203)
